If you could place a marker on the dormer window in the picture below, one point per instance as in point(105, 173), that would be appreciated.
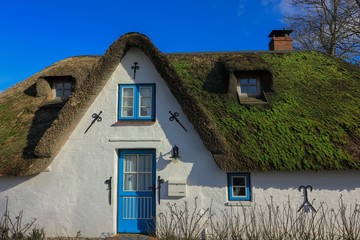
point(62, 89)
point(250, 90)
point(249, 87)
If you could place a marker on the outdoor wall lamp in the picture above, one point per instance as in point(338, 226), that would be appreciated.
point(175, 154)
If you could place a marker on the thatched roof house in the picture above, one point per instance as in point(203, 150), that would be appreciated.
point(309, 118)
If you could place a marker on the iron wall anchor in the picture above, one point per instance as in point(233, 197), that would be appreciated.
point(135, 67)
point(173, 116)
point(96, 117)
point(306, 204)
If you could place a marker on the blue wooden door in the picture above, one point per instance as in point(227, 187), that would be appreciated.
point(136, 191)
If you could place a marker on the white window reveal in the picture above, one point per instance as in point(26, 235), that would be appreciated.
point(62, 89)
point(250, 92)
point(136, 102)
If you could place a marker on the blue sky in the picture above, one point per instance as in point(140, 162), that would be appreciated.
point(38, 33)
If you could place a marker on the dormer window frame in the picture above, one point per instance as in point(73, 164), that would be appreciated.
point(65, 91)
point(250, 89)
point(251, 82)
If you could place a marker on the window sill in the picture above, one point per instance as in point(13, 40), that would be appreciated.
point(238, 203)
point(134, 123)
point(251, 101)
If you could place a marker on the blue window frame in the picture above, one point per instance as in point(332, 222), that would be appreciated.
point(239, 187)
point(136, 102)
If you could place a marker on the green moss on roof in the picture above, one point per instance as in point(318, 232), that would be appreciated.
point(313, 122)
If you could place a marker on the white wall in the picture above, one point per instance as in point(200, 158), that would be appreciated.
point(72, 196)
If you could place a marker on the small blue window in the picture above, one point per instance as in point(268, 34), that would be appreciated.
point(239, 187)
point(136, 102)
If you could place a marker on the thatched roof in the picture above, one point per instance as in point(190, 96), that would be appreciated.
point(23, 122)
point(311, 123)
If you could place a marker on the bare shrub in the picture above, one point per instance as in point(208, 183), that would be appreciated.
point(269, 222)
point(14, 228)
point(182, 222)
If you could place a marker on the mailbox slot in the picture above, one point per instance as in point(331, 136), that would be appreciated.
point(176, 188)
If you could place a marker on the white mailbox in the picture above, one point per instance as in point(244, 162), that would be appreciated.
point(177, 188)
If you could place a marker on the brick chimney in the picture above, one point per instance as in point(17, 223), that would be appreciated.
point(280, 40)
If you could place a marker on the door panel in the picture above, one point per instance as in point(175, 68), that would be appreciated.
point(136, 191)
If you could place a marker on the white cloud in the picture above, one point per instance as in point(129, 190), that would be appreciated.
point(285, 7)
point(279, 5)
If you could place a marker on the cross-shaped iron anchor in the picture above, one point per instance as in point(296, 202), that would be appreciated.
point(135, 67)
point(306, 204)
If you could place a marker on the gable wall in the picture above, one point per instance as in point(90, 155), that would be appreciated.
point(72, 195)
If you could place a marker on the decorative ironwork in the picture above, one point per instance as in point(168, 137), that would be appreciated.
point(108, 182)
point(135, 68)
point(306, 204)
point(96, 117)
point(160, 181)
point(174, 117)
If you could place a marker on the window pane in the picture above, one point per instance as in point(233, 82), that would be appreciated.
point(145, 92)
point(243, 82)
point(128, 102)
point(67, 93)
point(144, 163)
point(128, 112)
point(59, 86)
point(252, 81)
point(130, 181)
point(145, 112)
point(253, 90)
point(239, 191)
point(145, 101)
point(144, 181)
point(238, 181)
point(67, 86)
point(128, 92)
point(59, 93)
point(244, 89)
point(130, 163)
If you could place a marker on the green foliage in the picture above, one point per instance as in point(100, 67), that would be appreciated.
point(314, 114)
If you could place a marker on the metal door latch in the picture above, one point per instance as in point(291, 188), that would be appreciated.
point(160, 181)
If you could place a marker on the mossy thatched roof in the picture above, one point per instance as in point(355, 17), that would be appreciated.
point(23, 122)
point(312, 121)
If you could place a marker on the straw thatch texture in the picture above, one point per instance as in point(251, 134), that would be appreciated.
point(311, 122)
point(22, 122)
